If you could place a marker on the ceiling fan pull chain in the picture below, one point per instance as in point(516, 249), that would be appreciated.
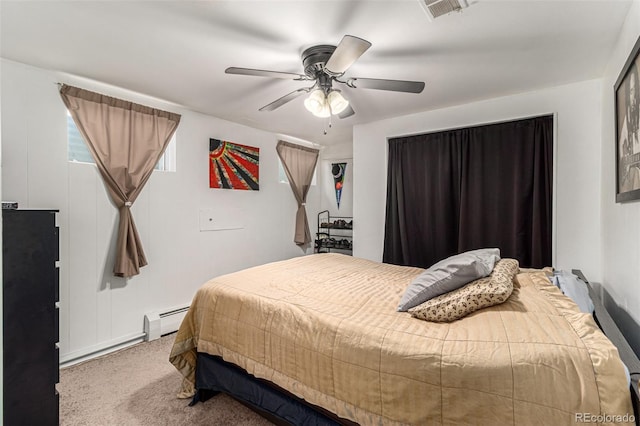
point(329, 126)
point(328, 118)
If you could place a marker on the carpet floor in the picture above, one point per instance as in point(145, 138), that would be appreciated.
point(138, 386)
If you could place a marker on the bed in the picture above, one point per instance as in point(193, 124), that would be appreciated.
point(322, 331)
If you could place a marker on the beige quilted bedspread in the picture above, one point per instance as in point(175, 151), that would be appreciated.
point(325, 328)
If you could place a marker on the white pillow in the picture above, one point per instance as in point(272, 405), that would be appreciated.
point(448, 275)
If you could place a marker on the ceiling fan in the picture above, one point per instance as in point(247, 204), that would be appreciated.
point(324, 65)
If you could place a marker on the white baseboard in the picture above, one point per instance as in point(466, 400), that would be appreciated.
point(98, 350)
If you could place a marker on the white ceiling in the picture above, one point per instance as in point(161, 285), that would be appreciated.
point(178, 51)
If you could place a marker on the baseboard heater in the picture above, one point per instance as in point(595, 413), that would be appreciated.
point(160, 323)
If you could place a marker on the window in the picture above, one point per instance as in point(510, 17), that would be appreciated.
point(282, 176)
point(79, 153)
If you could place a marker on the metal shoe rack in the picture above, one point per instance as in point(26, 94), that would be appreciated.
point(335, 234)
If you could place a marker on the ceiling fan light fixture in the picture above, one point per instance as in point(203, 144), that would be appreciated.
point(316, 102)
point(324, 113)
point(337, 102)
point(323, 106)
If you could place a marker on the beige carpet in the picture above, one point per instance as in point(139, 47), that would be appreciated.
point(138, 386)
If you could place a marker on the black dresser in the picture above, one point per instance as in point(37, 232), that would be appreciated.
point(30, 292)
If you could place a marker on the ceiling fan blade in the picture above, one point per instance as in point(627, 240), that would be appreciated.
point(348, 112)
point(265, 73)
point(392, 85)
point(283, 100)
point(346, 53)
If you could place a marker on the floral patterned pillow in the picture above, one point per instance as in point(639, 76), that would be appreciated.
point(481, 293)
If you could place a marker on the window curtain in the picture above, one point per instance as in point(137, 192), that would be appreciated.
point(299, 162)
point(126, 141)
point(463, 189)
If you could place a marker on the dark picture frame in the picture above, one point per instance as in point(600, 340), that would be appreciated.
point(627, 119)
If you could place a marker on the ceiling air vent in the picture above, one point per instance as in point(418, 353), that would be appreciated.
point(437, 8)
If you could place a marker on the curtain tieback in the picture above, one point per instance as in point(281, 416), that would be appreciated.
point(303, 204)
point(128, 204)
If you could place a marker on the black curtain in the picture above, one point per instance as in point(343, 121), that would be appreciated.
point(463, 189)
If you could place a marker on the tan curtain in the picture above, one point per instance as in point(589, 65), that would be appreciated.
point(299, 163)
point(126, 140)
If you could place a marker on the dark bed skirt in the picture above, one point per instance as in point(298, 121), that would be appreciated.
point(214, 375)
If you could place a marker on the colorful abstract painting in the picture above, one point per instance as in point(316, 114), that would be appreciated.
point(338, 170)
point(233, 166)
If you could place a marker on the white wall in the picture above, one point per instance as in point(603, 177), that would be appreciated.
point(577, 162)
point(620, 221)
point(97, 308)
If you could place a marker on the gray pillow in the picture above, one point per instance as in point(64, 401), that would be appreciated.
point(448, 275)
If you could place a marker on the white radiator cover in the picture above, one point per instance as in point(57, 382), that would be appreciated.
point(159, 323)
